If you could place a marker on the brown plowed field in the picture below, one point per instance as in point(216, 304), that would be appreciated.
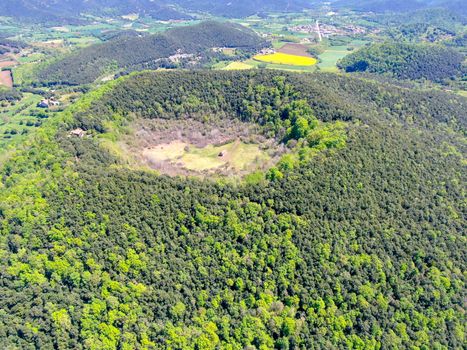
point(295, 49)
point(5, 78)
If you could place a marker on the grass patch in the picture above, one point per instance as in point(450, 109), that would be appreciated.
point(34, 57)
point(329, 59)
point(16, 121)
point(332, 54)
point(237, 155)
point(25, 74)
point(237, 66)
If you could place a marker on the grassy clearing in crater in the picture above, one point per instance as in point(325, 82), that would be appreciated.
point(190, 147)
point(237, 155)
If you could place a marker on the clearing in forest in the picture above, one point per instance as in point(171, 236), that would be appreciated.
point(192, 147)
point(236, 155)
point(237, 66)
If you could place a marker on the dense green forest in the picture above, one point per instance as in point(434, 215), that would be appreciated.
point(406, 61)
point(360, 246)
point(249, 94)
point(150, 51)
point(425, 25)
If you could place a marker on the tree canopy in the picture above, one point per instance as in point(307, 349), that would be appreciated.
point(406, 61)
point(359, 246)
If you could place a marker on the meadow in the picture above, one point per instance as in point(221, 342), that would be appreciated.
point(235, 155)
point(237, 65)
point(332, 54)
point(329, 58)
point(16, 120)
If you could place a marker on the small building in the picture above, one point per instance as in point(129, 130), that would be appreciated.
point(78, 132)
point(43, 104)
point(46, 103)
point(267, 51)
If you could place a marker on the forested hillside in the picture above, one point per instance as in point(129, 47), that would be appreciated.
point(359, 246)
point(381, 5)
point(406, 61)
point(150, 51)
point(401, 6)
point(71, 11)
point(243, 8)
point(424, 25)
point(78, 11)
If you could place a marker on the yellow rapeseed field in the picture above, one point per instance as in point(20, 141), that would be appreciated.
point(283, 58)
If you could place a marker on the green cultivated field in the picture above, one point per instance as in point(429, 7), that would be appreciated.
point(16, 120)
point(334, 53)
point(330, 57)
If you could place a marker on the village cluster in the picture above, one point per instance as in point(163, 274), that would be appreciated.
point(327, 30)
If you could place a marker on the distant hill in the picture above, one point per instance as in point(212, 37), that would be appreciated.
point(380, 5)
point(401, 6)
point(405, 61)
point(150, 51)
point(39, 11)
point(242, 8)
point(68, 11)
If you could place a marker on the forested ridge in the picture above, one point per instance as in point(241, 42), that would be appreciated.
point(401, 6)
point(360, 246)
point(71, 11)
point(249, 94)
point(406, 61)
point(149, 51)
